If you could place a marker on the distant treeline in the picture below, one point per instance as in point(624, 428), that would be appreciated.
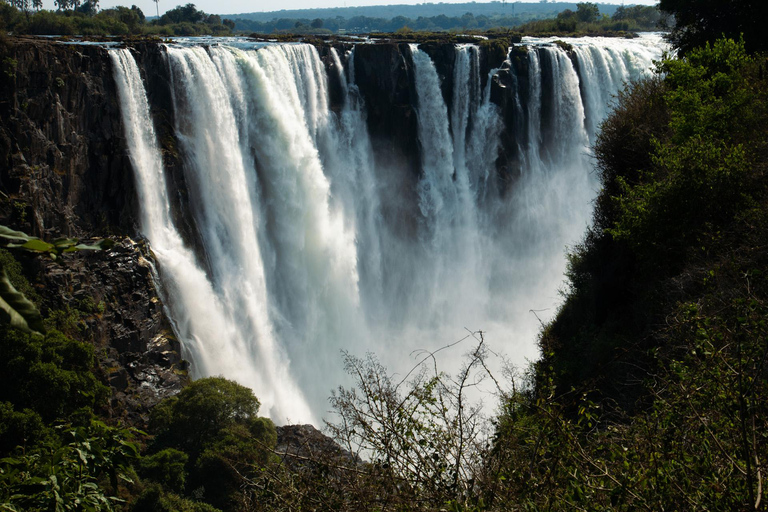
point(426, 10)
point(364, 24)
point(76, 18)
point(87, 20)
point(586, 17)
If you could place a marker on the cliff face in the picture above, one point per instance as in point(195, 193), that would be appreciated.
point(64, 171)
point(61, 148)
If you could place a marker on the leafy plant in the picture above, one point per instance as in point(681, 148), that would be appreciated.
point(65, 476)
point(52, 249)
point(15, 309)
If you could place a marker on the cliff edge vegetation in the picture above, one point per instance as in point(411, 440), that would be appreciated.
point(650, 393)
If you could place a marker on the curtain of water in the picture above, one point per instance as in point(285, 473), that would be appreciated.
point(302, 261)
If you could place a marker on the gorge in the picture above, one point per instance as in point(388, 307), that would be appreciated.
point(301, 200)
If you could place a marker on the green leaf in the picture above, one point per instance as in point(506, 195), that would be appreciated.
point(84, 247)
point(55, 248)
point(64, 243)
point(34, 244)
point(16, 309)
point(7, 232)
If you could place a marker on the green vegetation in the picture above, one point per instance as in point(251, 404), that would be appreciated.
point(208, 442)
point(87, 20)
point(81, 468)
point(587, 20)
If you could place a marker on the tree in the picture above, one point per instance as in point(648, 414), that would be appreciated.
point(587, 12)
point(194, 417)
point(703, 21)
point(89, 7)
point(317, 23)
point(139, 13)
point(183, 13)
point(214, 423)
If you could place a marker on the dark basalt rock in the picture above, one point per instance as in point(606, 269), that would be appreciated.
point(384, 75)
point(61, 148)
point(120, 313)
point(443, 55)
point(305, 446)
point(335, 87)
point(64, 171)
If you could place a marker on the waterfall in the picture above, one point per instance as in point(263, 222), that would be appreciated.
point(300, 257)
point(213, 337)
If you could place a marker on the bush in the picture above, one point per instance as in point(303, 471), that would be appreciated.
point(20, 428)
point(79, 471)
point(193, 419)
point(214, 422)
point(166, 467)
point(50, 375)
point(155, 499)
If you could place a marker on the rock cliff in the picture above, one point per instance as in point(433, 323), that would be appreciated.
point(64, 171)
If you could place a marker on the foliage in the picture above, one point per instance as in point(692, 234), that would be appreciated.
point(633, 19)
point(183, 13)
point(50, 375)
point(16, 310)
point(20, 428)
point(212, 422)
point(87, 20)
point(155, 499)
point(193, 418)
point(424, 437)
point(587, 12)
point(132, 18)
point(648, 395)
point(66, 474)
point(703, 174)
point(586, 20)
point(166, 467)
point(643, 15)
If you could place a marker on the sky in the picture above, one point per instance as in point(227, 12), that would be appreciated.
point(244, 6)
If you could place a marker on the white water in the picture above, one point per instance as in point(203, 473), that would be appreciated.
point(301, 258)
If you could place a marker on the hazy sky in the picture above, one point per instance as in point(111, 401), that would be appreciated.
point(243, 6)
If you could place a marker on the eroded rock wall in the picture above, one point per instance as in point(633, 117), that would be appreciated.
point(64, 171)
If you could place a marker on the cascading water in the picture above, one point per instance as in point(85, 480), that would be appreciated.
point(299, 259)
point(203, 315)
